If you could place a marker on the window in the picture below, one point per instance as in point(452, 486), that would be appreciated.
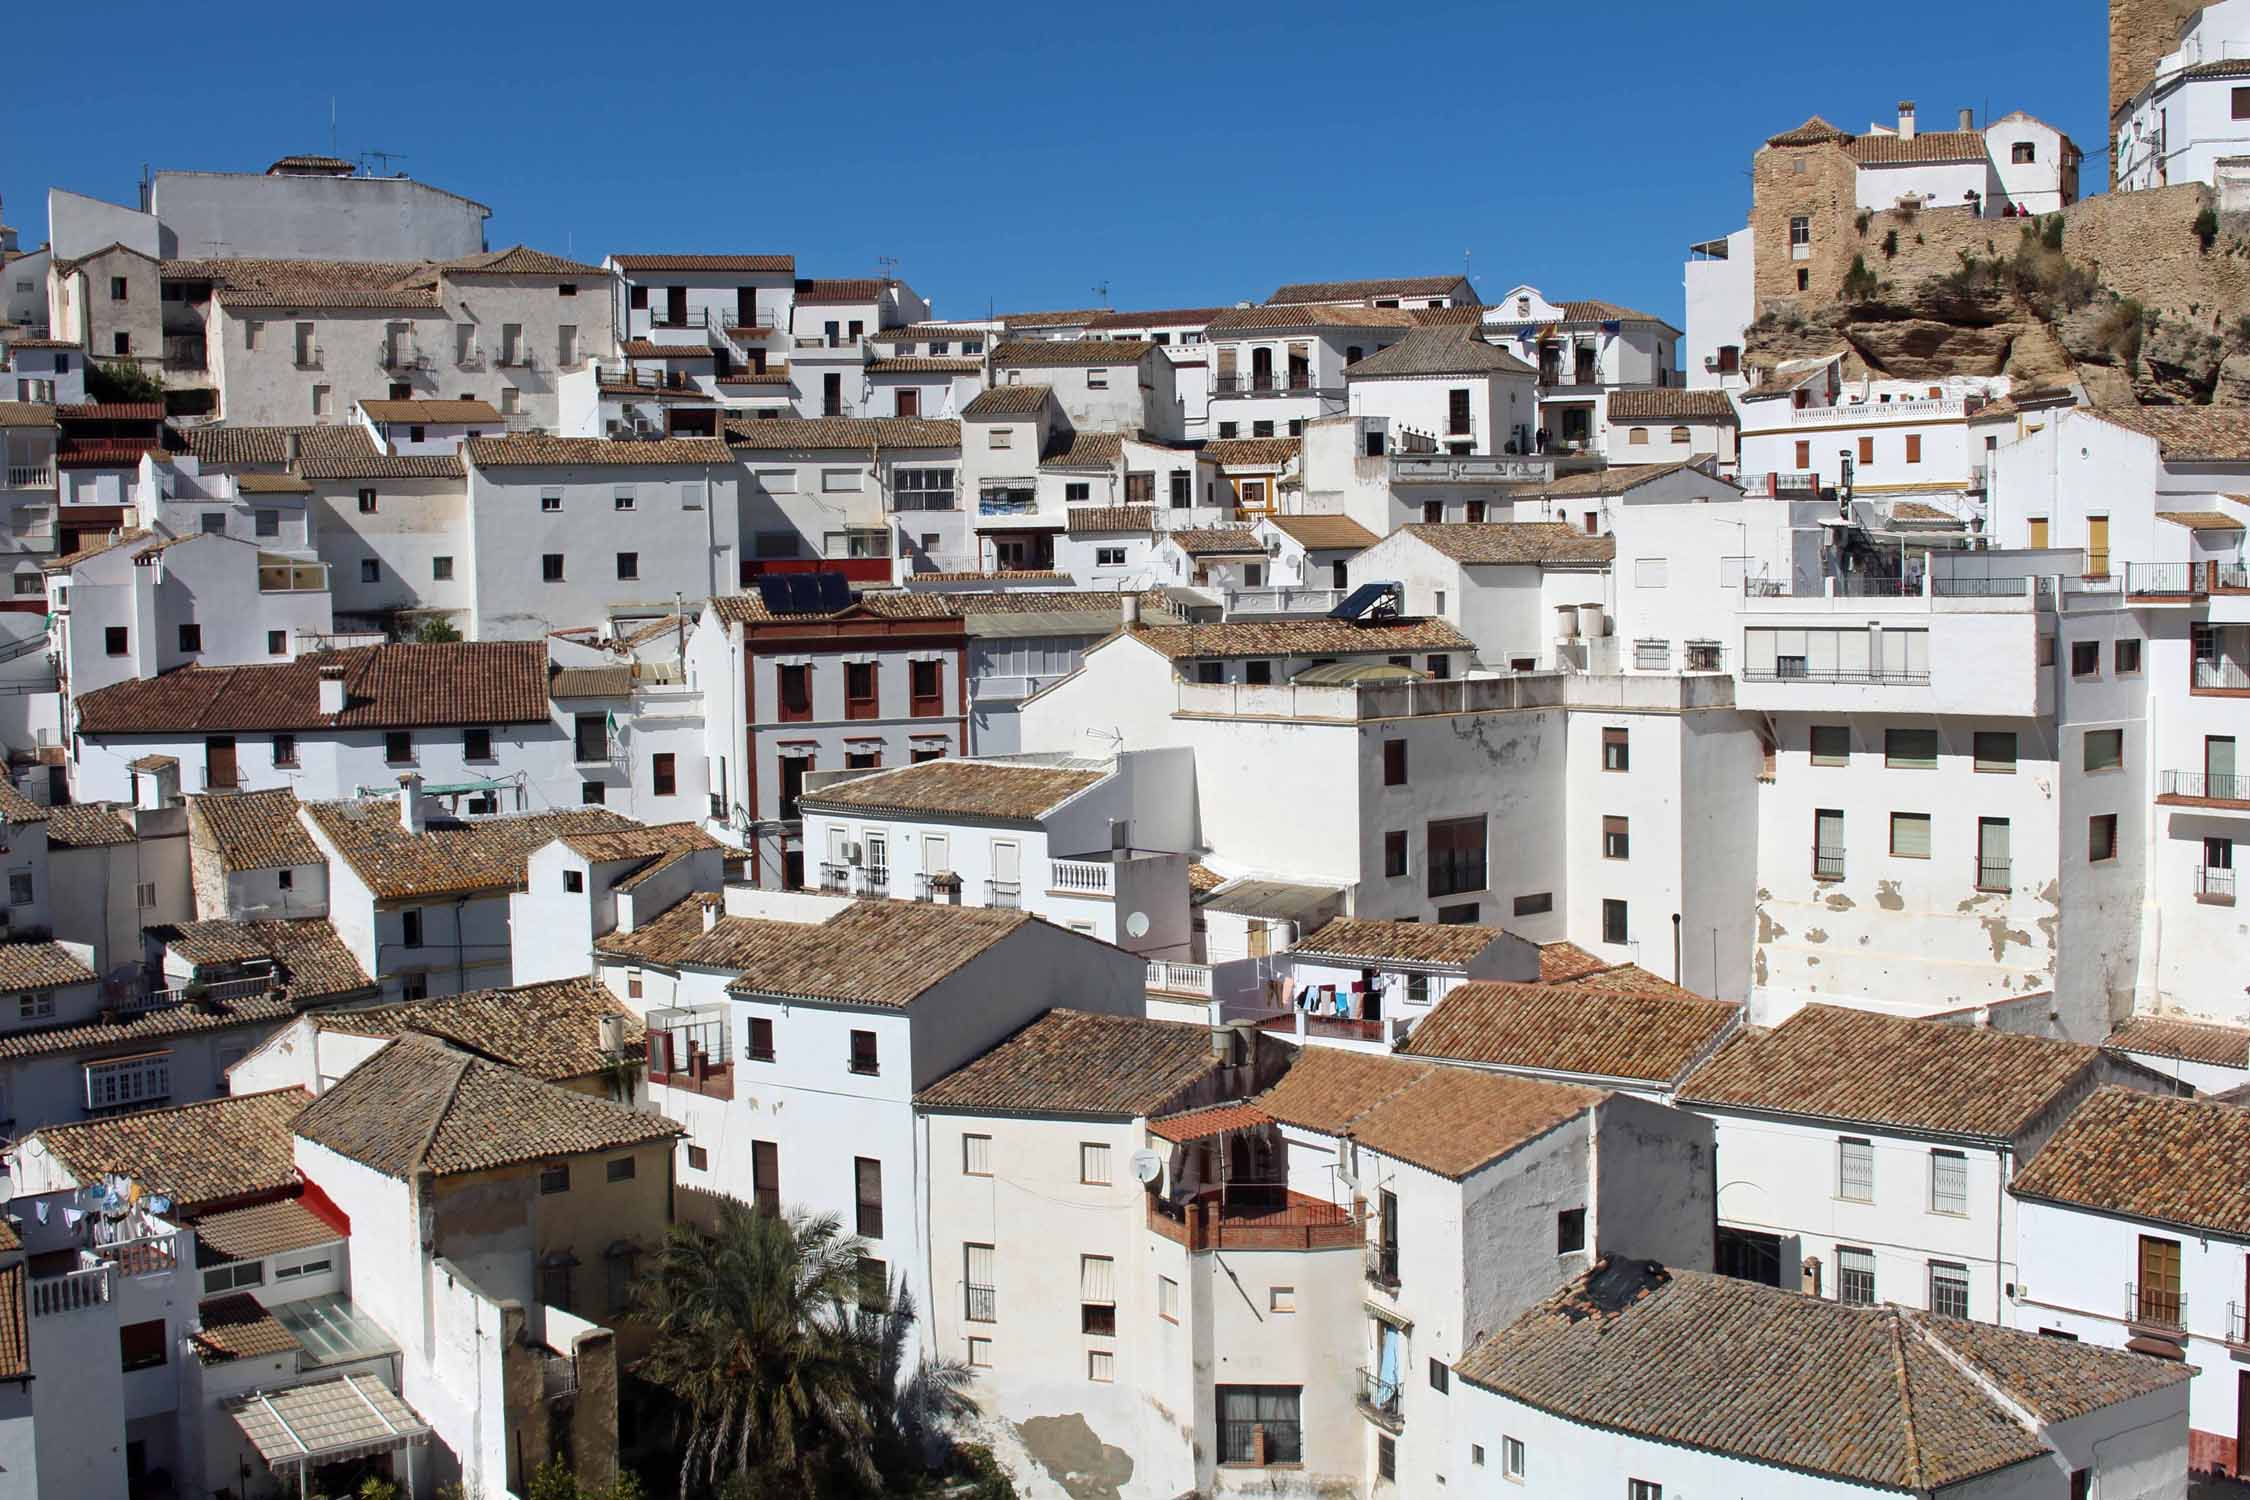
point(191, 639)
point(1617, 752)
point(1394, 762)
point(121, 343)
point(1394, 853)
point(1000, 437)
point(1441, 1378)
point(284, 749)
point(2085, 658)
point(663, 778)
point(1831, 744)
point(698, 1159)
point(1229, 429)
point(117, 289)
point(628, 565)
point(1949, 1182)
point(1109, 557)
point(1914, 447)
point(141, 1346)
point(398, 746)
point(2127, 656)
point(867, 1186)
point(1649, 1489)
point(370, 571)
point(277, 643)
point(1455, 855)
point(1910, 749)
point(1613, 922)
point(113, 640)
point(1995, 751)
point(2241, 103)
point(319, 1266)
point(1093, 1163)
point(2101, 838)
point(859, 690)
point(1097, 1295)
point(1101, 1364)
point(1183, 489)
point(980, 1354)
point(1652, 656)
point(1535, 905)
point(761, 1039)
point(1386, 1457)
point(1855, 1170)
point(1511, 1457)
point(1637, 436)
point(926, 688)
point(476, 744)
point(863, 1053)
point(554, 1177)
point(1261, 429)
point(2104, 749)
point(1617, 840)
point(367, 502)
point(976, 1156)
point(1910, 835)
point(550, 501)
point(1258, 1424)
point(410, 929)
point(1570, 1231)
point(765, 1177)
point(796, 691)
point(1855, 1276)
point(1800, 230)
point(551, 567)
point(618, 1169)
point(592, 794)
point(574, 881)
point(131, 1083)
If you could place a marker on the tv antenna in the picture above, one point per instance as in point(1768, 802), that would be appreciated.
point(888, 265)
point(1102, 291)
point(385, 158)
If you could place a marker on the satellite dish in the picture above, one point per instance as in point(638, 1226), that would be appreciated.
point(1147, 1166)
point(1136, 924)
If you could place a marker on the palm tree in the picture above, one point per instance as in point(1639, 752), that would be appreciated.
point(757, 1337)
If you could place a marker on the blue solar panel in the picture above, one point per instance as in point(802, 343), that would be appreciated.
point(804, 593)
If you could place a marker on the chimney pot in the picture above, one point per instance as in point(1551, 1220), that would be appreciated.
point(1968, 119)
point(1129, 609)
point(710, 913)
point(1906, 119)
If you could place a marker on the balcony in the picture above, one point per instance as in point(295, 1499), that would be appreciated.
point(2155, 1310)
point(1382, 1266)
point(1282, 601)
point(311, 357)
point(1303, 1025)
point(89, 1286)
point(282, 576)
point(1993, 874)
point(690, 1050)
point(655, 382)
point(1827, 863)
point(1858, 413)
point(944, 887)
point(835, 879)
point(924, 500)
point(1796, 669)
point(2238, 1328)
point(2157, 583)
point(874, 880)
point(1005, 505)
point(218, 992)
point(1295, 383)
point(2221, 660)
point(693, 317)
point(2214, 885)
point(406, 357)
point(1081, 877)
point(1381, 1401)
point(1169, 978)
point(185, 352)
point(1007, 894)
point(1256, 1216)
point(2204, 789)
point(1780, 486)
point(980, 1304)
point(31, 476)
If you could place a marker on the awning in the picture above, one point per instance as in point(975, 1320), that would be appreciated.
point(327, 1422)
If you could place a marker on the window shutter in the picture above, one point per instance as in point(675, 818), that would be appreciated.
point(1910, 835)
point(980, 1265)
point(976, 1155)
point(1855, 1171)
point(1949, 1182)
point(1097, 1279)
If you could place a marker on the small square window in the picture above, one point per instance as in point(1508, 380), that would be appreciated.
point(1831, 744)
point(277, 643)
point(370, 571)
point(976, 1156)
point(555, 1177)
point(113, 640)
point(1511, 1457)
point(574, 881)
point(1394, 853)
point(550, 501)
point(980, 1354)
point(1101, 1365)
point(620, 1169)
point(551, 567)
point(2101, 838)
point(191, 639)
point(1093, 1163)
point(476, 744)
point(1995, 751)
point(441, 568)
point(1617, 841)
point(628, 565)
point(1910, 749)
point(698, 1159)
point(1617, 750)
point(1570, 1231)
point(398, 746)
point(2127, 654)
point(1281, 1299)
point(2085, 658)
point(2104, 749)
point(1441, 1378)
point(1614, 926)
point(367, 502)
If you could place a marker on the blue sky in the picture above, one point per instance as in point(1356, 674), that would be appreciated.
point(1019, 156)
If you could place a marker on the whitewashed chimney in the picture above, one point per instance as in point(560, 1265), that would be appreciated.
point(331, 690)
point(410, 801)
point(1906, 119)
point(1968, 119)
point(1129, 609)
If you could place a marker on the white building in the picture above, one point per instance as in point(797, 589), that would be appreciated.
point(1585, 350)
point(2187, 123)
point(1644, 1380)
point(1503, 584)
point(1275, 368)
point(1449, 386)
point(1722, 302)
point(309, 205)
point(1812, 426)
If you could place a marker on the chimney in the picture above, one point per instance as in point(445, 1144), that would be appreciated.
point(289, 448)
point(1906, 119)
point(1968, 119)
point(331, 690)
point(1129, 609)
point(612, 1033)
point(711, 906)
point(410, 801)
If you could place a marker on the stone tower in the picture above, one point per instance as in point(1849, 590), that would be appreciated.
point(2140, 33)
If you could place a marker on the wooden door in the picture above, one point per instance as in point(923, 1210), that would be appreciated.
point(218, 763)
point(746, 307)
point(909, 401)
point(2097, 546)
point(2038, 525)
point(2241, 1421)
point(675, 305)
point(2157, 1295)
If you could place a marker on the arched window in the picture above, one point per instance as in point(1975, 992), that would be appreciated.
point(1679, 434)
point(1638, 437)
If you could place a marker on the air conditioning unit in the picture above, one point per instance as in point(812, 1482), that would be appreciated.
point(854, 854)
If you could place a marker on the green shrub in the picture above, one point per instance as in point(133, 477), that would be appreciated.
point(2121, 328)
point(1859, 284)
point(2051, 231)
point(1859, 222)
point(122, 380)
point(2206, 228)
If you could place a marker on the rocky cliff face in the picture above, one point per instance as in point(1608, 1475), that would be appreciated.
point(2140, 297)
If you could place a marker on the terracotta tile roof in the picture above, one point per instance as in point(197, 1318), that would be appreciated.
point(404, 686)
point(1829, 1063)
point(1073, 318)
point(537, 449)
point(1446, 1120)
point(2225, 67)
point(1211, 1120)
point(1201, 877)
point(750, 609)
point(110, 411)
point(238, 1326)
point(1495, 542)
point(2202, 520)
point(2163, 1036)
point(385, 466)
point(1616, 481)
point(210, 1153)
point(1085, 450)
point(224, 446)
point(1571, 1029)
point(1326, 533)
point(1632, 979)
point(1030, 353)
point(1380, 286)
point(1915, 510)
point(649, 349)
point(675, 938)
point(1048, 601)
point(926, 364)
point(1358, 938)
point(995, 575)
point(40, 966)
point(550, 1030)
point(1871, 1395)
point(1924, 146)
point(254, 830)
point(16, 808)
point(15, 1333)
point(26, 414)
point(312, 163)
point(1253, 453)
point(271, 484)
point(521, 260)
point(591, 682)
point(850, 289)
point(1071, 1062)
point(2148, 1157)
point(1217, 541)
point(1308, 314)
point(465, 410)
point(91, 550)
point(785, 264)
point(421, 1106)
point(447, 858)
point(880, 952)
point(168, 1023)
point(774, 375)
point(1169, 317)
point(2186, 434)
point(1008, 401)
point(251, 281)
point(311, 961)
point(25, 343)
point(1427, 352)
point(1594, 310)
point(1812, 133)
point(1671, 404)
point(637, 841)
point(981, 789)
point(275, 1227)
point(88, 825)
point(1562, 962)
point(845, 432)
point(1086, 519)
point(1301, 638)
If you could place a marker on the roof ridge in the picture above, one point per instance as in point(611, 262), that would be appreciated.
point(1917, 1471)
point(1992, 1390)
point(461, 1060)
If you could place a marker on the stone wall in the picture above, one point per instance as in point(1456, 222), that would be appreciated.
point(1819, 182)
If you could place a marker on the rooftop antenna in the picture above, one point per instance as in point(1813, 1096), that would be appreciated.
point(1102, 291)
point(331, 124)
point(888, 265)
point(384, 157)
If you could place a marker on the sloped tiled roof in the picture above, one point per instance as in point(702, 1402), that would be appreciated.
point(209, 1153)
point(1238, 453)
point(953, 787)
point(1008, 401)
point(1566, 1028)
point(1494, 542)
point(311, 959)
point(26, 414)
point(1868, 1394)
point(520, 260)
point(419, 1105)
point(1217, 541)
point(1560, 963)
point(1831, 1063)
point(2186, 434)
point(237, 1326)
point(464, 410)
point(1168, 317)
point(1308, 314)
point(526, 449)
point(2177, 1161)
point(1320, 637)
point(225, 446)
point(1211, 1120)
point(15, 1333)
point(2172, 1036)
point(1617, 481)
point(1077, 1063)
point(1326, 533)
point(271, 484)
point(925, 364)
point(1670, 404)
point(447, 858)
point(1363, 938)
point(1379, 286)
point(650, 349)
point(1070, 318)
point(275, 1227)
point(1084, 520)
point(785, 264)
point(551, 1030)
point(149, 1028)
point(254, 830)
point(1923, 146)
point(881, 952)
point(2202, 520)
point(40, 966)
point(1811, 133)
point(1030, 353)
point(845, 432)
point(1429, 352)
point(1085, 450)
point(676, 938)
point(385, 466)
point(88, 825)
point(403, 686)
point(1447, 1120)
point(846, 289)
point(253, 281)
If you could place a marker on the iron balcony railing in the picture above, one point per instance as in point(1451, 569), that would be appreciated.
point(1263, 385)
point(1382, 1398)
point(1992, 874)
point(982, 1304)
point(2212, 786)
point(694, 317)
point(2161, 1308)
point(2238, 1327)
point(1382, 1265)
point(1798, 671)
point(2172, 580)
point(835, 878)
point(874, 880)
point(2221, 672)
point(1260, 1442)
point(2214, 884)
point(939, 887)
point(1827, 862)
point(1005, 893)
